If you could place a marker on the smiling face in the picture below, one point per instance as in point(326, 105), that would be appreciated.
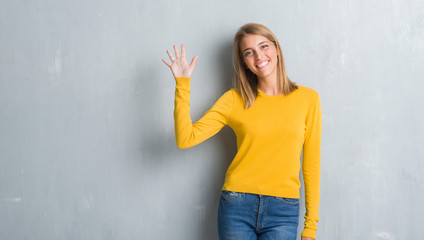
point(260, 55)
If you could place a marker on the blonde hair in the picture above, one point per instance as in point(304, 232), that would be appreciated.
point(247, 81)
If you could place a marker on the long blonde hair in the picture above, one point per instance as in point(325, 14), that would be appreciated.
point(247, 81)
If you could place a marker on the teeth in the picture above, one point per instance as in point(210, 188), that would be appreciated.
point(263, 64)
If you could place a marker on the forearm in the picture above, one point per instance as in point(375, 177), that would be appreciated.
point(182, 120)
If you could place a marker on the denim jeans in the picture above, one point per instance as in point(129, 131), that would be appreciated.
point(246, 216)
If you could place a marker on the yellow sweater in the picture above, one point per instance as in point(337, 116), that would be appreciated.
point(270, 136)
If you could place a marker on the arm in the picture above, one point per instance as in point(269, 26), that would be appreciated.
point(311, 168)
point(188, 134)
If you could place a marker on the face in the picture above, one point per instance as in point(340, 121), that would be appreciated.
point(260, 55)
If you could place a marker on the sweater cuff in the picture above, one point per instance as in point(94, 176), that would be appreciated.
point(182, 82)
point(307, 232)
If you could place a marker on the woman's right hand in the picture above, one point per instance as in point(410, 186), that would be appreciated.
point(179, 65)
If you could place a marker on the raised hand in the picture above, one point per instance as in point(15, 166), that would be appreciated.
point(179, 65)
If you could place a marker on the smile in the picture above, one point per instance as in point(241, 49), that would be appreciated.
point(262, 64)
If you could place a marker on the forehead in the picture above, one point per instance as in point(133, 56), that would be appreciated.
point(252, 40)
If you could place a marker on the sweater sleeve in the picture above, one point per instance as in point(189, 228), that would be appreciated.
point(311, 167)
point(188, 134)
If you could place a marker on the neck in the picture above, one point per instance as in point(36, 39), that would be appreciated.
point(268, 85)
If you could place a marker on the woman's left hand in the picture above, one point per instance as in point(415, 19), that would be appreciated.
point(307, 238)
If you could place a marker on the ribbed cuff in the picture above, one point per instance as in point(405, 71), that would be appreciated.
point(182, 82)
point(309, 233)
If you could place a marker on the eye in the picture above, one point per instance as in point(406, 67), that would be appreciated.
point(265, 46)
point(247, 53)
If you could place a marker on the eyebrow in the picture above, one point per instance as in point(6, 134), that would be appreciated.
point(251, 48)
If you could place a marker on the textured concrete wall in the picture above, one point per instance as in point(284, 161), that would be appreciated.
point(87, 148)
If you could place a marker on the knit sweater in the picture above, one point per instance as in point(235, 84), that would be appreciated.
point(270, 136)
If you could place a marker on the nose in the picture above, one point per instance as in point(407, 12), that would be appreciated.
point(258, 55)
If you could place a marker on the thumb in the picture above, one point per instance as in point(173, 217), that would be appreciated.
point(193, 62)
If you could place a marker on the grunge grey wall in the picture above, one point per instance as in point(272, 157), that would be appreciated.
point(87, 147)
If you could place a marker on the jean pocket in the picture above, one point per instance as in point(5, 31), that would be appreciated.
point(230, 195)
point(290, 201)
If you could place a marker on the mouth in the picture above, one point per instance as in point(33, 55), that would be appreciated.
point(262, 64)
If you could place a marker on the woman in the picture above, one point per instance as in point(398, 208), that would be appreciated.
point(273, 118)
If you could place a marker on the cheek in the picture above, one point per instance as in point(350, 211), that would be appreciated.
point(273, 53)
point(248, 62)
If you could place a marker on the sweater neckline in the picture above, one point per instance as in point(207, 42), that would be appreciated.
point(269, 96)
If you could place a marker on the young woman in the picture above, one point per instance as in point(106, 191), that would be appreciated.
point(273, 119)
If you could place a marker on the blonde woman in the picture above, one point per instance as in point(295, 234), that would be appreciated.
point(274, 119)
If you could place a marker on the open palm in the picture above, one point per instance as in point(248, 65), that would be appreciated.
point(179, 65)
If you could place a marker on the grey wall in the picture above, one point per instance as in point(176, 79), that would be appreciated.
point(87, 147)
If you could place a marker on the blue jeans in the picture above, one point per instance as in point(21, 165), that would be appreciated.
point(246, 216)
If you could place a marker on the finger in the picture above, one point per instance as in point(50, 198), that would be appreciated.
point(193, 62)
point(183, 51)
point(177, 54)
point(170, 55)
point(166, 62)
